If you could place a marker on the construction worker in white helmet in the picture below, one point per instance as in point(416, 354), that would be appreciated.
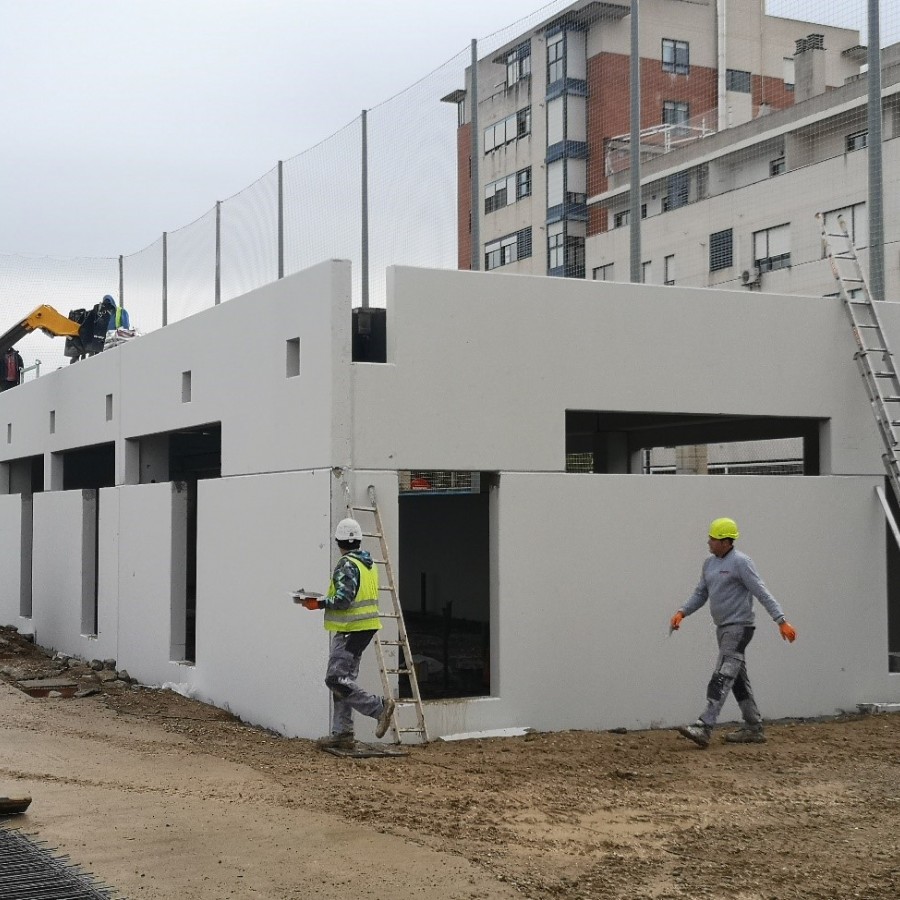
point(729, 581)
point(351, 615)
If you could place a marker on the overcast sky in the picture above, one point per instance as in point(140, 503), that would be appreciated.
point(122, 119)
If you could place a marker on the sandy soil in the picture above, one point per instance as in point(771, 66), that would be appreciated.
point(161, 796)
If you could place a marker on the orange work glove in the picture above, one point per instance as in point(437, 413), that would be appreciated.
point(675, 621)
point(788, 632)
point(312, 603)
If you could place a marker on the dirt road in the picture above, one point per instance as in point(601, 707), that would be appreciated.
point(161, 796)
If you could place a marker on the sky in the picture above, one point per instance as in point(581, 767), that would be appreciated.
point(122, 119)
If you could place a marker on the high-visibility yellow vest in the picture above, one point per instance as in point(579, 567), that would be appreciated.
point(363, 612)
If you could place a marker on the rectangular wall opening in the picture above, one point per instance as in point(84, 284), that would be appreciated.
point(90, 544)
point(616, 442)
point(26, 477)
point(89, 468)
point(893, 584)
point(444, 581)
point(292, 357)
point(185, 387)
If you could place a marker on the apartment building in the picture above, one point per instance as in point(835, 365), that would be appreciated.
point(552, 114)
point(738, 209)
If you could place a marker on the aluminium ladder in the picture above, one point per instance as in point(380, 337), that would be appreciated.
point(387, 667)
point(873, 355)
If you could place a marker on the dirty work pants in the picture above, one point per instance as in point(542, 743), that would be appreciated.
point(731, 676)
point(343, 669)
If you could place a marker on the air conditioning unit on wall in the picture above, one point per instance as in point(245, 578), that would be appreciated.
point(749, 277)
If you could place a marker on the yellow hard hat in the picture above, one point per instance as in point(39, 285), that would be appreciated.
point(724, 528)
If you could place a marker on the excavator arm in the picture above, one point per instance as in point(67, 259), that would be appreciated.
point(47, 319)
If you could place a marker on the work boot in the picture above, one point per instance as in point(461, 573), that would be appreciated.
point(748, 734)
point(344, 741)
point(699, 733)
point(384, 720)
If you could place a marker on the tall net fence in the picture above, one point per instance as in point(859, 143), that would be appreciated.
point(754, 115)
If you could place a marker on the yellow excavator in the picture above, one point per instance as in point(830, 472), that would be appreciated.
point(45, 318)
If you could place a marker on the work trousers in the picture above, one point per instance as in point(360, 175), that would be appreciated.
point(730, 676)
point(343, 669)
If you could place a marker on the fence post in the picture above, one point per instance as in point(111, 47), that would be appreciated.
point(121, 280)
point(473, 150)
point(364, 223)
point(876, 172)
point(635, 230)
point(218, 289)
point(165, 280)
point(280, 219)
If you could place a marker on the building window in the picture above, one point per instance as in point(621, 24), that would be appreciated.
point(859, 140)
point(556, 58)
point(518, 64)
point(788, 73)
point(507, 130)
point(507, 250)
point(678, 189)
point(603, 273)
point(737, 80)
point(669, 269)
point(646, 274)
point(720, 250)
point(565, 252)
point(772, 248)
point(777, 166)
point(676, 57)
point(507, 190)
point(676, 113)
point(855, 219)
point(624, 217)
point(523, 183)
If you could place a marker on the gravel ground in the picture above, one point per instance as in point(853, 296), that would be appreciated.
point(813, 813)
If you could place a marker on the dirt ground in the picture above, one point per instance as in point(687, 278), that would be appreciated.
point(161, 796)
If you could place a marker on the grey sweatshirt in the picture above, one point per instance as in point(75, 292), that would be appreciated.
point(730, 584)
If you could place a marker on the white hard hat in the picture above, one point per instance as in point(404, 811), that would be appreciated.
point(348, 530)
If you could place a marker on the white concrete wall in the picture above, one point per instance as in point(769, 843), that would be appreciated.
point(478, 378)
point(62, 570)
point(236, 354)
point(258, 653)
point(150, 580)
point(482, 380)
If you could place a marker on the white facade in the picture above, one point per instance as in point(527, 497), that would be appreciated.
point(584, 570)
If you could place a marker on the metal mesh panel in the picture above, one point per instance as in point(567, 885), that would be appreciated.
point(65, 284)
point(190, 267)
point(413, 167)
point(250, 237)
point(420, 481)
point(322, 203)
point(143, 286)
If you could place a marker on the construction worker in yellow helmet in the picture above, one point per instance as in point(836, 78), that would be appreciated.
point(729, 581)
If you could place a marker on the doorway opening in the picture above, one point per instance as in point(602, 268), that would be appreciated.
point(444, 580)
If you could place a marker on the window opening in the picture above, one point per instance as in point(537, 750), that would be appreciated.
point(676, 57)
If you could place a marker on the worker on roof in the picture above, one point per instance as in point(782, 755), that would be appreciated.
point(118, 315)
point(729, 581)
